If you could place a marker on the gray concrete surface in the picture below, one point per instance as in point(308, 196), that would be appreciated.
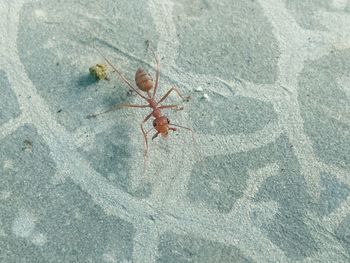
point(268, 179)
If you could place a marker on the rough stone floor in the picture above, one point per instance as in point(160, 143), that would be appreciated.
point(266, 178)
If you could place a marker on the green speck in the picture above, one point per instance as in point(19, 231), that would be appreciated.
point(99, 71)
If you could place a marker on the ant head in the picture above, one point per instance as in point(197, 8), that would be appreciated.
point(161, 124)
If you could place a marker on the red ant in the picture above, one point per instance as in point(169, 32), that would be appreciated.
point(145, 83)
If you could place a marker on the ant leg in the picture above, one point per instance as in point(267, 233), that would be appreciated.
point(116, 107)
point(175, 107)
point(119, 74)
point(144, 133)
point(158, 68)
point(155, 136)
point(174, 129)
point(177, 92)
point(145, 141)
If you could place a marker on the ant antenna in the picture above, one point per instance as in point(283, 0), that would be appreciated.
point(192, 132)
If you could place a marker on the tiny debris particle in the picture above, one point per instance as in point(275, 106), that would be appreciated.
point(99, 71)
point(60, 110)
point(205, 96)
point(198, 89)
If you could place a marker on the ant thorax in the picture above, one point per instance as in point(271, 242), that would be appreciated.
point(152, 103)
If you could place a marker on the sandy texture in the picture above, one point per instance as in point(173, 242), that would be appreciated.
point(268, 179)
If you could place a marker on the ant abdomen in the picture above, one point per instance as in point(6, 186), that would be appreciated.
point(143, 81)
